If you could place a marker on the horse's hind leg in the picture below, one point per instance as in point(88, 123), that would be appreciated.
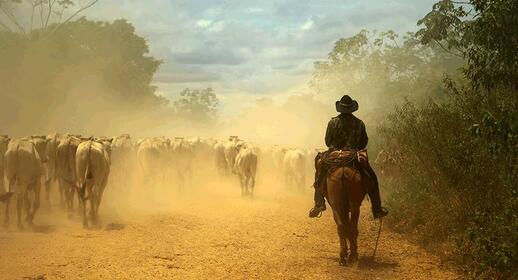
point(353, 234)
point(341, 225)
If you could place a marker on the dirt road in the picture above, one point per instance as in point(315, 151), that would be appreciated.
point(210, 234)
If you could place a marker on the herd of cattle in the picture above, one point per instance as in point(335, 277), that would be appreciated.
point(83, 166)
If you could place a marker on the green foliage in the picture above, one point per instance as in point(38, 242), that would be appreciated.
point(121, 56)
point(197, 105)
point(381, 70)
point(456, 181)
point(485, 32)
point(457, 161)
point(46, 15)
point(104, 63)
point(384, 68)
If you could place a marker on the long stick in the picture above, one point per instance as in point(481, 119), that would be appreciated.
point(377, 239)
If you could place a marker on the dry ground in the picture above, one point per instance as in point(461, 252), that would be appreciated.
point(209, 234)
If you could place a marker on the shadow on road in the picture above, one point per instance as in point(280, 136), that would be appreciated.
point(44, 228)
point(368, 262)
point(114, 226)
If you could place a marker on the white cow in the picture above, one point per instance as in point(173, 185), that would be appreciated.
point(278, 153)
point(50, 166)
point(4, 142)
point(182, 156)
point(294, 167)
point(123, 159)
point(23, 170)
point(232, 147)
point(152, 156)
point(219, 159)
point(93, 170)
point(246, 167)
point(66, 170)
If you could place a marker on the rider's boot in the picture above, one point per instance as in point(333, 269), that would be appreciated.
point(374, 195)
point(320, 204)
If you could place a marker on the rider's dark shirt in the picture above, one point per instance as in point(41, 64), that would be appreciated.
point(346, 132)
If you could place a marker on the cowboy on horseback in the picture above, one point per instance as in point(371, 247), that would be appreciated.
point(346, 132)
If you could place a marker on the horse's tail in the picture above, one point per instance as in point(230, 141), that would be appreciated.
point(347, 200)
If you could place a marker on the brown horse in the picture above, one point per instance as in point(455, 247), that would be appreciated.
point(346, 189)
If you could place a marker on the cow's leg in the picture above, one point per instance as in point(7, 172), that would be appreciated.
point(68, 191)
point(85, 218)
point(36, 187)
point(247, 185)
point(20, 197)
point(70, 198)
point(80, 201)
point(62, 192)
point(242, 182)
point(98, 198)
point(81, 197)
point(93, 204)
point(101, 188)
point(73, 191)
point(252, 185)
point(7, 205)
point(353, 234)
point(27, 203)
point(47, 191)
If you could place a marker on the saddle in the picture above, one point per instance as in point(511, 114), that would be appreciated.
point(327, 162)
point(333, 159)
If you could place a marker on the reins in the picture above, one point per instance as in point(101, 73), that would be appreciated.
point(377, 239)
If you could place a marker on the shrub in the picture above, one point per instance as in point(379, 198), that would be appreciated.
point(456, 180)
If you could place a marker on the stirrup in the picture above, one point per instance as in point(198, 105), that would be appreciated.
point(320, 209)
point(381, 213)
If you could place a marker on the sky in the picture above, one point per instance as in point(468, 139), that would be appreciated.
point(247, 50)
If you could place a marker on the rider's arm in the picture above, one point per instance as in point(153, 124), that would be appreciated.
point(364, 139)
point(329, 134)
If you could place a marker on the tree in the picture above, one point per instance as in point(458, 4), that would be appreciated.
point(382, 70)
point(485, 32)
point(121, 57)
point(197, 105)
point(458, 160)
point(41, 14)
point(106, 64)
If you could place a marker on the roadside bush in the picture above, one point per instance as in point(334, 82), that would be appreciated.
point(457, 177)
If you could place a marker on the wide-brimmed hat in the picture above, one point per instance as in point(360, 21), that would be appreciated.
point(346, 105)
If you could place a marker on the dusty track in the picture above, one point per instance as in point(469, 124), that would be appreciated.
point(221, 236)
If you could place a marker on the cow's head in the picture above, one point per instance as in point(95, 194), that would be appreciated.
point(40, 143)
point(107, 144)
point(4, 138)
